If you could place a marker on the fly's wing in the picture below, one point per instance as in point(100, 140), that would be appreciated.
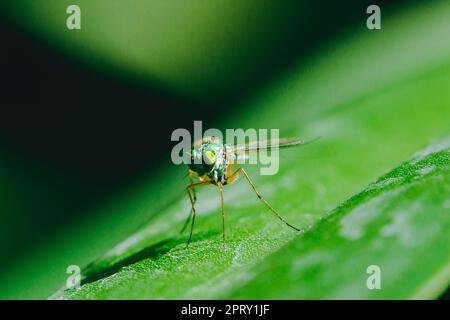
point(256, 146)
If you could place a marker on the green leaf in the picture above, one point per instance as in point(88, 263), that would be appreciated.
point(399, 223)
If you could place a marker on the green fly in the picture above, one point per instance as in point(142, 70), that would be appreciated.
point(212, 163)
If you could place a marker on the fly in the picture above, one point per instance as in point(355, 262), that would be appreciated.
point(212, 162)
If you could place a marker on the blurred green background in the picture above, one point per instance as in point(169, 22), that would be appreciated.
point(87, 115)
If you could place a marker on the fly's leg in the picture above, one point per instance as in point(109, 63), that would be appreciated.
point(235, 175)
point(192, 182)
point(195, 200)
point(187, 221)
point(219, 185)
point(188, 190)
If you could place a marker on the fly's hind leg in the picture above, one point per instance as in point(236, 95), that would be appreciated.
point(236, 174)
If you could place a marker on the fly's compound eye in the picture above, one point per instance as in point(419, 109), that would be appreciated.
point(209, 157)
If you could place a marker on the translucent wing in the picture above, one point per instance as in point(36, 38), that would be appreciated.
point(269, 144)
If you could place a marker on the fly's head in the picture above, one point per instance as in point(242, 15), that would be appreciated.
point(204, 158)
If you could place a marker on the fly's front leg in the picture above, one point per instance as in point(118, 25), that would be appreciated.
point(195, 200)
point(191, 198)
point(241, 170)
point(219, 185)
point(186, 222)
point(192, 182)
